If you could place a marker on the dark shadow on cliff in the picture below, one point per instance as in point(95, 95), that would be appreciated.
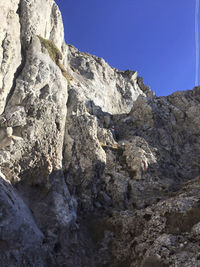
point(170, 169)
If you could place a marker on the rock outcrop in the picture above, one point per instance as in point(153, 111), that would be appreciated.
point(95, 170)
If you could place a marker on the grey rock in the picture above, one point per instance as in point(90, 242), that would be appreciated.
point(95, 169)
point(95, 80)
point(20, 238)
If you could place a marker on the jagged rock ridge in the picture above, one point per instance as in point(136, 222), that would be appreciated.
point(95, 170)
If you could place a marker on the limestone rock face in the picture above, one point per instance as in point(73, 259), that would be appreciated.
point(36, 112)
point(41, 18)
point(10, 49)
point(20, 237)
point(32, 128)
point(114, 91)
point(95, 170)
point(164, 234)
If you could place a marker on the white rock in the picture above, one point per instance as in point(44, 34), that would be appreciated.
point(10, 49)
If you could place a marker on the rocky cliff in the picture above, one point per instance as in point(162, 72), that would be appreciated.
point(95, 170)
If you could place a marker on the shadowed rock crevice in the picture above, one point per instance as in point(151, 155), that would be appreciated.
point(16, 75)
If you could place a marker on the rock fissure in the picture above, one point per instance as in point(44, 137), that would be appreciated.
point(16, 75)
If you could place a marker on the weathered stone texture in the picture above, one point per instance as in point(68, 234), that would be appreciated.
point(10, 49)
point(95, 170)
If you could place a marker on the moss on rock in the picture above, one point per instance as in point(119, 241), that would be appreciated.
point(56, 55)
point(52, 49)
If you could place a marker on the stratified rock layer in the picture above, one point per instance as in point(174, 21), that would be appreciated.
point(95, 169)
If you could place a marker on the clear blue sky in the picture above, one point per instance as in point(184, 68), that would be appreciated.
point(154, 37)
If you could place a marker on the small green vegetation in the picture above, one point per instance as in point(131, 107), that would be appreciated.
point(55, 55)
point(52, 49)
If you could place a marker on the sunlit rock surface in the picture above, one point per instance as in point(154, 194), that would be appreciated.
point(95, 170)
